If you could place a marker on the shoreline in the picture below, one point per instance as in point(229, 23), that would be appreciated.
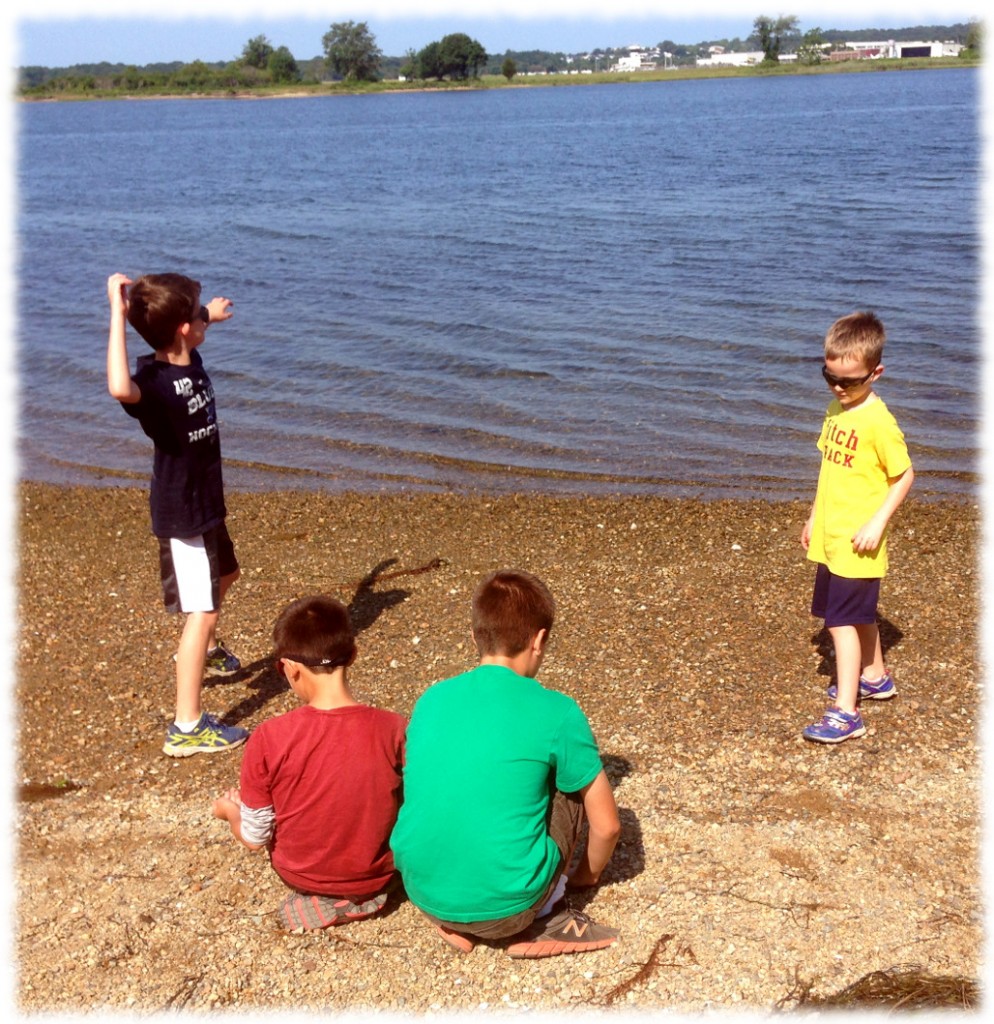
point(494, 481)
point(381, 87)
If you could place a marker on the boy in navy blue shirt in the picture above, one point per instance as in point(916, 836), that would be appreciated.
point(172, 398)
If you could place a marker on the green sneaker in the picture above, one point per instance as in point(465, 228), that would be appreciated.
point(208, 737)
point(221, 662)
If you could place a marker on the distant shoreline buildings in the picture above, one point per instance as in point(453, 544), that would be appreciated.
point(888, 49)
point(646, 58)
point(640, 58)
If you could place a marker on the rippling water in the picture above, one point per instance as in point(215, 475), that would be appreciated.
point(594, 289)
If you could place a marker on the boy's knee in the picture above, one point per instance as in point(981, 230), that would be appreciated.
point(200, 621)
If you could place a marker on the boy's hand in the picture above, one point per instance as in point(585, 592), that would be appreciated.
point(867, 537)
point(220, 309)
point(227, 804)
point(582, 878)
point(116, 285)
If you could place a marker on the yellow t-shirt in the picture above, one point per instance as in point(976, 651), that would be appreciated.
point(862, 450)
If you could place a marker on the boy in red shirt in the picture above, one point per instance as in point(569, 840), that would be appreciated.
point(321, 785)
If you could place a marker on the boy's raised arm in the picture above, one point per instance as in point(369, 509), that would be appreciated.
point(119, 382)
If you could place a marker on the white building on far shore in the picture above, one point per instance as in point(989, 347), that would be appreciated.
point(895, 48)
point(888, 48)
point(719, 58)
point(638, 59)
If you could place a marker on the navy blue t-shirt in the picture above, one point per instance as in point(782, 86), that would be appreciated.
point(177, 412)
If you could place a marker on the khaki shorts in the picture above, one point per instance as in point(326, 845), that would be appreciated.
point(565, 820)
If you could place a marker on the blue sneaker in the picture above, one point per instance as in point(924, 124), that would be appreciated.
point(208, 737)
point(835, 726)
point(221, 662)
point(871, 689)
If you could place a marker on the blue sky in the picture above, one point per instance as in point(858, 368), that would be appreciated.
point(60, 33)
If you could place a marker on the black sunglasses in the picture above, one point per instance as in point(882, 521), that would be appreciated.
point(306, 662)
point(846, 382)
point(201, 314)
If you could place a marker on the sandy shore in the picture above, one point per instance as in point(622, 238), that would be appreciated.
point(755, 870)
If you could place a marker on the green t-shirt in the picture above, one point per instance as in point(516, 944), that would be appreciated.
point(483, 749)
point(862, 450)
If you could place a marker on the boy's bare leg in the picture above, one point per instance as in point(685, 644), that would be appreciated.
point(190, 660)
point(872, 657)
point(848, 663)
point(223, 584)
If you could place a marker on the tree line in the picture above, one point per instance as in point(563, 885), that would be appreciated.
point(351, 55)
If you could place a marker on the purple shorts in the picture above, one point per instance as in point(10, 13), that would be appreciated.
point(842, 601)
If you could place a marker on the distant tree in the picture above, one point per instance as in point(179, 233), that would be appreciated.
point(257, 52)
point(974, 41)
point(351, 51)
point(282, 67)
point(429, 62)
point(461, 56)
point(509, 69)
point(77, 83)
point(409, 69)
point(771, 33)
point(195, 75)
point(811, 49)
point(130, 78)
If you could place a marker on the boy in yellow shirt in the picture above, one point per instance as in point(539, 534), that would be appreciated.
point(865, 475)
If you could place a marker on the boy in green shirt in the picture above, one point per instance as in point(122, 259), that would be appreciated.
point(865, 475)
point(500, 773)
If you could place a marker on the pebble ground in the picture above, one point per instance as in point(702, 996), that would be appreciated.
point(755, 871)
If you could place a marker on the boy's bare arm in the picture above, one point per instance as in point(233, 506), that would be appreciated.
point(870, 534)
point(806, 529)
point(220, 309)
point(604, 830)
point(228, 807)
point(119, 382)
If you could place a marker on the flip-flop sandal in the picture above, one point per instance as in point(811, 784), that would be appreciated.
point(456, 939)
point(314, 912)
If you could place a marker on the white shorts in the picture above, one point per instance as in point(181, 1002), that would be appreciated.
point(192, 569)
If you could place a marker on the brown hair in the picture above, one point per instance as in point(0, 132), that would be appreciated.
point(509, 607)
point(159, 304)
point(317, 632)
point(856, 336)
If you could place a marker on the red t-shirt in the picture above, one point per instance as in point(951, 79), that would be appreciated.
point(333, 779)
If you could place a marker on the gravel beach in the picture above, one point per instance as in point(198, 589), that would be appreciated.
point(755, 871)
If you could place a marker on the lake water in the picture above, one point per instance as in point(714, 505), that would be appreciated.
point(600, 289)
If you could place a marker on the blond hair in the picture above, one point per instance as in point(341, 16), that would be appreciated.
point(856, 336)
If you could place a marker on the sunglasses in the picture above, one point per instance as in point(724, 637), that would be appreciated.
point(306, 662)
point(201, 314)
point(845, 382)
